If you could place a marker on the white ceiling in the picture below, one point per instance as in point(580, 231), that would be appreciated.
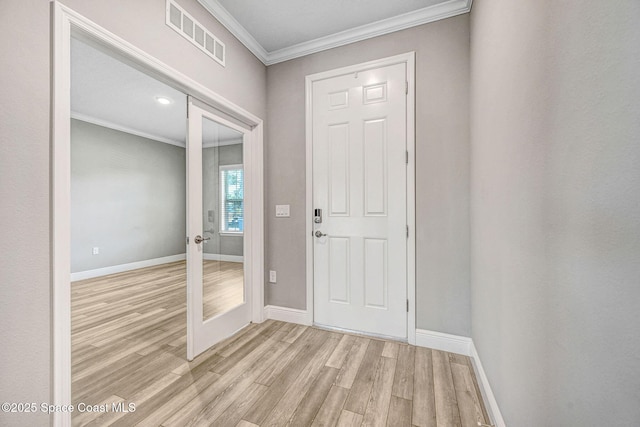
point(278, 30)
point(107, 92)
point(277, 24)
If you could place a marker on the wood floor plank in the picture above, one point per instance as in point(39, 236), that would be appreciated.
point(87, 389)
point(230, 348)
point(234, 413)
point(222, 400)
point(403, 380)
point(331, 408)
point(467, 401)
point(285, 408)
point(391, 350)
point(293, 335)
point(119, 322)
point(424, 406)
point(229, 362)
point(199, 378)
point(263, 407)
point(275, 370)
point(341, 352)
point(476, 387)
point(86, 417)
point(378, 405)
point(287, 327)
point(213, 397)
point(363, 383)
point(103, 358)
point(128, 329)
point(447, 413)
point(349, 419)
point(166, 339)
point(200, 363)
point(399, 412)
point(146, 375)
point(138, 399)
point(352, 363)
point(307, 409)
point(163, 408)
point(457, 358)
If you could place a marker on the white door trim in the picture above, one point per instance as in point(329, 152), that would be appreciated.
point(65, 23)
point(409, 60)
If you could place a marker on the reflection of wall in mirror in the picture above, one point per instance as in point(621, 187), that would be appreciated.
point(212, 159)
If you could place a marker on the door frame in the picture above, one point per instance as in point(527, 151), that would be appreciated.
point(408, 59)
point(65, 24)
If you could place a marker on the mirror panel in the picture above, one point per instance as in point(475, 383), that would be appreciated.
point(223, 218)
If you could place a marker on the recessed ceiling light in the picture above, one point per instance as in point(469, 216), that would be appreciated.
point(163, 100)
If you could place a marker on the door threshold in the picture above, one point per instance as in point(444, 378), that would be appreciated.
point(359, 333)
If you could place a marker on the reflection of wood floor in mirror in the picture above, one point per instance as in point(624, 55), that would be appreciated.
point(223, 287)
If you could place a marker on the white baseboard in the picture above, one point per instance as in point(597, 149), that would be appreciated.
point(104, 271)
point(485, 388)
point(444, 342)
point(286, 314)
point(223, 257)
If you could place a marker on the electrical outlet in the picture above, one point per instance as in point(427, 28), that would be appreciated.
point(96, 250)
point(272, 276)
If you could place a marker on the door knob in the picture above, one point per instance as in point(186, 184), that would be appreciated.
point(320, 233)
point(199, 239)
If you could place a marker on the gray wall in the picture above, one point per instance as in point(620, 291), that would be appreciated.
point(555, 208)
point(442, 156)
point(24, 212)
point(25, 304)
point(213, 158)
point(127, 198)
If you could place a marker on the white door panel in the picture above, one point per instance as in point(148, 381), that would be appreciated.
point(359, 182)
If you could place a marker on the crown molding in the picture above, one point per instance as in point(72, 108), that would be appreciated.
point(385, 26)
point(225, 18)
point(425, 15)
point(110, 125)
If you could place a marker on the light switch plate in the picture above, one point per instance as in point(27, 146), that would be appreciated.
point(282, 211)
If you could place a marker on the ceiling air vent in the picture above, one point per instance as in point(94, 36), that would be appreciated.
point(192, 30)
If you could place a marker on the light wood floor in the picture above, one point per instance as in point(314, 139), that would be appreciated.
point(128, 345)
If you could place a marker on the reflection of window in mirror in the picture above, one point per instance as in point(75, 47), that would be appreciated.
point(231, 199)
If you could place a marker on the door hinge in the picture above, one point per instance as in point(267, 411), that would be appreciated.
point(406, 88)
point(187, 240)
point(407, 306)
point(407, 231)
point(406, 157)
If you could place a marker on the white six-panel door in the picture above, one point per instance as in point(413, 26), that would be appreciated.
point(360, 183)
